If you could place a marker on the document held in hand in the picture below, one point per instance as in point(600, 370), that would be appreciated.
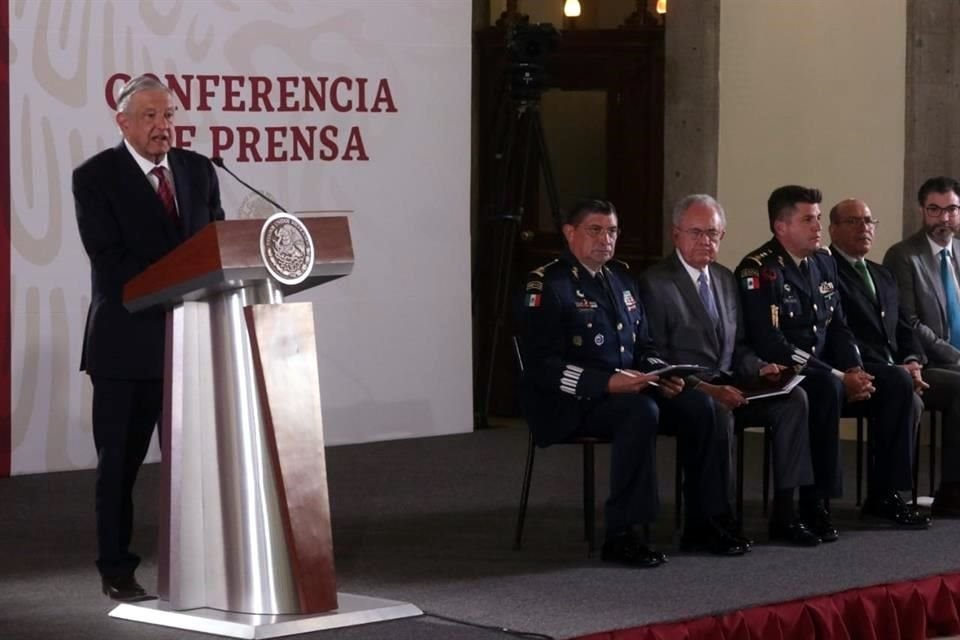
point(762, 388)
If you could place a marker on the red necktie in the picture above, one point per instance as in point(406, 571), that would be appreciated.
point(165, 192)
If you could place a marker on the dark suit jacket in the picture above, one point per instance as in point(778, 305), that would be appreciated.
point(574, 335)
point(922, 301)
point(124, 229)
point(680, 326)
point(882, 335)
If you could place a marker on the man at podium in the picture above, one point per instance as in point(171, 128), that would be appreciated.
point(135, 203)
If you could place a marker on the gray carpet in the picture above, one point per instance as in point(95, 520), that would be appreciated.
point(430, 521)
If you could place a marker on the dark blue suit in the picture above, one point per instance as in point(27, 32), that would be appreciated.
point(576, 332)
point(124, 229)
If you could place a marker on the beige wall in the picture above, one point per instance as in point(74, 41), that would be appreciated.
point(811, 93)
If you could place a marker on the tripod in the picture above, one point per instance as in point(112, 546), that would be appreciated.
point(520, 145)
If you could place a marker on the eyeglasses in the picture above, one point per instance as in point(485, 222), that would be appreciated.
point(934, 211)
point(857, 222)
point(595, 230)
point(713, 235)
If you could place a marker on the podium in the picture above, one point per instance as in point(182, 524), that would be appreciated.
point(245, 544)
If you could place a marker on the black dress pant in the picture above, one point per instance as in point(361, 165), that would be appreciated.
point(632, 422)
point(124, 415)
point(825, 395)
point(894, 411)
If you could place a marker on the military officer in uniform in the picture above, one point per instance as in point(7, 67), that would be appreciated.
point(589, 360)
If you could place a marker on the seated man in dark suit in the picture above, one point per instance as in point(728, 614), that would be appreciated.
point(889, 351)
point(695, 317)
point(794, 316)
point(926, 269)
point(589, 354)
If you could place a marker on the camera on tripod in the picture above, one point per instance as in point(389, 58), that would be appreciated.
point(527, 46)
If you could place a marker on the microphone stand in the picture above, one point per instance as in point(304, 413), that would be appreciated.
point(220, 163)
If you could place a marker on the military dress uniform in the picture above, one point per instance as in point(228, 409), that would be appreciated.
point(794, 316)
point(577, 330)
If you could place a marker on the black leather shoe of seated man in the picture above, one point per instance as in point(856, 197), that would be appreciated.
point(124, 589)
point(713, 538)
point(817, 518)
point(795, 533)
point(626, 549)
point(892, 509)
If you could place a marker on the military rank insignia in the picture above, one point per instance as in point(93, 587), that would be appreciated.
point(533, 300)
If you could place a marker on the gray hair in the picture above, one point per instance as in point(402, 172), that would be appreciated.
point(136, 85)
point(698, 198)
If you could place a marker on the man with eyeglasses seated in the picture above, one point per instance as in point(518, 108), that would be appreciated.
point(925, 268)
point(588, 357)
point(794, 317)
point(890, 353)
point(696, 317)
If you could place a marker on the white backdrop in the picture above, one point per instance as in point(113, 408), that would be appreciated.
point(394, 336)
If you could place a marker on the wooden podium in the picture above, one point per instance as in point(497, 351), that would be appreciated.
point(245, 540)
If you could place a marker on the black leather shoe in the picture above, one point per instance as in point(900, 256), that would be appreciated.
point(733, 527)
point(124, 589)
point(795, 533)
point(627, 550)
point(893, 510)
point(818, 520)
point(713, 538)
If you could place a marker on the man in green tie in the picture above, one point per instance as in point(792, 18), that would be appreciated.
point(889, 352)
point(925, 268)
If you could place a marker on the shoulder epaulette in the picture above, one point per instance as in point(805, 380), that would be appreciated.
point(539, 271)
point(759, 256)
point(620, 263)
point(825, 250)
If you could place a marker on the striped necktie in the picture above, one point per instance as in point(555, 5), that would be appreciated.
point(165, 192)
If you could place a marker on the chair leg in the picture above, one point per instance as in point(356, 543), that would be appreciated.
point(916, 464)
point(678, 491)
point(933, 452)
point(740, 438)
point(767, 444)
point(524, 492)
point(589, 530)
point(859, 460)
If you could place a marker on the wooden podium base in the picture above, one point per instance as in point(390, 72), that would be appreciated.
point(353, 610)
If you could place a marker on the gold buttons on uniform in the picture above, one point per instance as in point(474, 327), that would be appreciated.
point(589, 325)
point(814, 307)
point(619, 326)
point(814, 328)
point(621, 349)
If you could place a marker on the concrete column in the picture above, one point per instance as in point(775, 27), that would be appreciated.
point(691, 102)
point(932, 144)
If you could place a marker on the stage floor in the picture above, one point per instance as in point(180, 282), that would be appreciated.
point(430, 522)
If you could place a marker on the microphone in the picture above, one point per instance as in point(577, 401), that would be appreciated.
point(217, 160)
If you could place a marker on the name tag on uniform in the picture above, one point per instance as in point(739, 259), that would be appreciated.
point(629, 301)
point(586, 304)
